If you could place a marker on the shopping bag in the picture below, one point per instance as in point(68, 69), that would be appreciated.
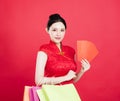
point(26, 96)
point(42, 96)
point(86, 49)
point(30, 93)
point(65, 92)
point(33, 93)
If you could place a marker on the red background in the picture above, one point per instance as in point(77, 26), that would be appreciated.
point(22, 31)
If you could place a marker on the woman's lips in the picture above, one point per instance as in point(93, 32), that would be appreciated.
point(58, 38)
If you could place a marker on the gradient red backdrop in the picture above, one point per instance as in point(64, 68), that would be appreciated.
point(22, 31)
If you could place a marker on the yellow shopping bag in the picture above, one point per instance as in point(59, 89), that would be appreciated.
point(66, 92)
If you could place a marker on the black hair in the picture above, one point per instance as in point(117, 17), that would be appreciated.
point(53, 18)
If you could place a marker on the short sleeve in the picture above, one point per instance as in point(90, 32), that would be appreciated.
point(44, 48)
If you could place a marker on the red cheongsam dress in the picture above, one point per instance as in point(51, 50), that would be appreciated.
point(59, 62)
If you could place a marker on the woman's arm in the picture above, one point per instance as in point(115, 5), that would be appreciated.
point(85, 67)
point(40, 69)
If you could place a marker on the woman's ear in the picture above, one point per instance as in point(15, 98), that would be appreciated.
point(46, 30)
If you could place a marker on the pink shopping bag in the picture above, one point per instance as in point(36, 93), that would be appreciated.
point(33, 93)
point(30, 93)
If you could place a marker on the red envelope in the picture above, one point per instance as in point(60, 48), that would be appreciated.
point(86, 49)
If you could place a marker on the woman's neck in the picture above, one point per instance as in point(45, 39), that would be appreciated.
point(59, 46)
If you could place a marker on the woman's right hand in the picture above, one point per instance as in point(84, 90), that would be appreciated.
point(70, 75)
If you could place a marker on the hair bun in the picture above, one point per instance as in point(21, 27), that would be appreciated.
point(54, 16)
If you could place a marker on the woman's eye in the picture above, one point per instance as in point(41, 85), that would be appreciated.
point(54, 30)
point(62, 30)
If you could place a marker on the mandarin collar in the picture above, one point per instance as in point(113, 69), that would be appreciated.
point(53, 45)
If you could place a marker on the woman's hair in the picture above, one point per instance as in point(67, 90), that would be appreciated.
point(53, 18)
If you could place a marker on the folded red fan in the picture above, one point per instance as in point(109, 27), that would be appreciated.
point(86, 49)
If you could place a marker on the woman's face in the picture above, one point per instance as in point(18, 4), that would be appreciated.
point(57, 32)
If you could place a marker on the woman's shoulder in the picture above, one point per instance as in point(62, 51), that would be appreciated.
point(44, 46)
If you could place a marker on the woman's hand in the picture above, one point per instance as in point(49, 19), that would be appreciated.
point(85, 65)
point(70, 75)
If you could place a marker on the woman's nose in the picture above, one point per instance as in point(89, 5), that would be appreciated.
point(58, 33)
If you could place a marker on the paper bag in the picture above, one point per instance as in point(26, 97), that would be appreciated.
point(33, 93)
point(58, 93)
point(30, 93)
point(26, 96)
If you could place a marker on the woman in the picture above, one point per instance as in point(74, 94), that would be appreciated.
point(55, 62)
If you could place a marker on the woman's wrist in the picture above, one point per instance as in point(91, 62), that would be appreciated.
point(57, 80)
point(65, 78)
point(82, 70)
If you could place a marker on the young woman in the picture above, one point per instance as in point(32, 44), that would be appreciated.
point(55, 62)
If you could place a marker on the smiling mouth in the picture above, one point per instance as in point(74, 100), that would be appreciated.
point(58, 38)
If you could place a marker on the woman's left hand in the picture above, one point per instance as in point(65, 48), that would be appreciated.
point(85, 65)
